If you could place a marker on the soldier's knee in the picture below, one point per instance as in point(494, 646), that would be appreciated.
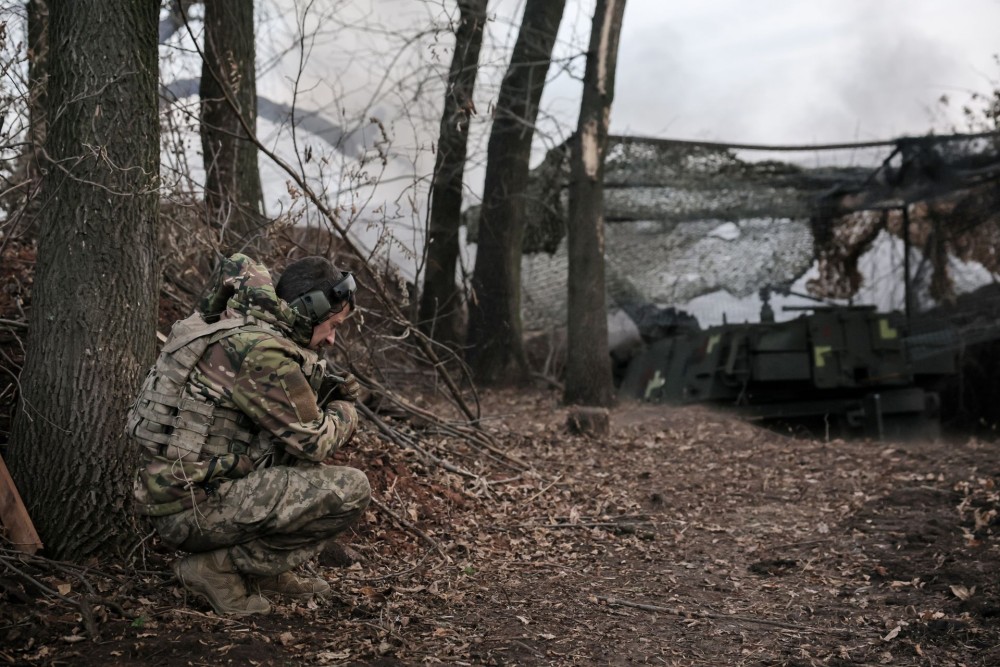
point(352, 486)
point(361, 489)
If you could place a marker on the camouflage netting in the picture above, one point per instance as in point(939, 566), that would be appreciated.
point(687, 219)
point(947, 189)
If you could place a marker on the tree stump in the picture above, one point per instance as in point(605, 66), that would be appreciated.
point(591, 422)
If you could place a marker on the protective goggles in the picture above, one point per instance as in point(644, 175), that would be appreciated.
point(316, 306)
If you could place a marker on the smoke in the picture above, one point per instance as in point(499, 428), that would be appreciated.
point(367, 80)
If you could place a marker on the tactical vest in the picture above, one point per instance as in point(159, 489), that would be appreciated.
point(170, 421)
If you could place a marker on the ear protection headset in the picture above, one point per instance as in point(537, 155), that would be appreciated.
point(316, 306)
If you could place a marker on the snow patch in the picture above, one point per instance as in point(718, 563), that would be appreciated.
point(727, 231)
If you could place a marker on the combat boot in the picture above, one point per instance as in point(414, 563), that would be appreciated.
point(292, 586)
point(213, 576)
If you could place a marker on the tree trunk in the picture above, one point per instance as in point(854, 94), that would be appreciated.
point(38, 53)
point(588, 364)
point(440, 302)
point(233, 196)
point(495, 349)
point(94, 301)
point(22, 185)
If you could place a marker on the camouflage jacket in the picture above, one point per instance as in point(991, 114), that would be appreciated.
point(263, 371)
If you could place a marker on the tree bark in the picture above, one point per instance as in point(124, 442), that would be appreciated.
point(495, 349)
point(234, 199)
point(94, 301)
point(440, 302)
point(588, 364)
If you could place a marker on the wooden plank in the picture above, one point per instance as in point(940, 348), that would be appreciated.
point(14, 516)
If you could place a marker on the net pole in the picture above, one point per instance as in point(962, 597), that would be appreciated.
point(906, 262)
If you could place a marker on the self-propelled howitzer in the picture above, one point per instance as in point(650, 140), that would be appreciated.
point(849, 367)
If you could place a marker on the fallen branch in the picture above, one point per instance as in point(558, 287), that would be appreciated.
point(407, 442)
point(623, 525)
point(475, 437)
point(677, 611)
point(14, 324)
point(86, 613)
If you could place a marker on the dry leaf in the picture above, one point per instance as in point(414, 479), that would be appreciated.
point(963, 593)
point(892, 634)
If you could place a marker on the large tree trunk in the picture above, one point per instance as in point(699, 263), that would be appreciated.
point(94, 300)
point(495, 349)
point(441, 302)
point(588, 364)
point(233, 196)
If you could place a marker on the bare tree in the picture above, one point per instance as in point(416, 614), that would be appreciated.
point(588, 365)
point(495, 350)
point(440, 301)
point(38, 53)
point(94, 298)
point(233, 193)
point(22, 115)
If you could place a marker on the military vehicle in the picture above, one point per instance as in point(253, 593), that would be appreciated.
point(848, 369)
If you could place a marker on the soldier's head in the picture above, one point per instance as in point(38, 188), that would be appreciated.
point(315, 288)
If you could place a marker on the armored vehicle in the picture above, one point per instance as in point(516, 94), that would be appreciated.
point(850, 369)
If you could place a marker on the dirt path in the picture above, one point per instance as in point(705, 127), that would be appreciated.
point(686, 538)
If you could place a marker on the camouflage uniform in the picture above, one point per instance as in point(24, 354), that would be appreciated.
point(253, 481)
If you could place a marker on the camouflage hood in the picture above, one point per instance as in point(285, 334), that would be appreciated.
point(244, 287)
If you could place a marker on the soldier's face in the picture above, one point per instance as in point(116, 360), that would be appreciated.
point(325, 332)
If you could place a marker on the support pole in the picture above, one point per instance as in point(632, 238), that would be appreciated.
point(906, 261)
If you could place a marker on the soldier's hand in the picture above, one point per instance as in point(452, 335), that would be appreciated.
point(347, 390)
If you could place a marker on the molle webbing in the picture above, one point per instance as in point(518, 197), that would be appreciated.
point(170, 421)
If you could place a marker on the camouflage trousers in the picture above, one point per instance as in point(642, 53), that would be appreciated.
point(273, 519)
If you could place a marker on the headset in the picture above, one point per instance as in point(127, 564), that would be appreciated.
point(316, 306)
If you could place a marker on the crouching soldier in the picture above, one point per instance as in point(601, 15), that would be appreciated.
point(236, 424)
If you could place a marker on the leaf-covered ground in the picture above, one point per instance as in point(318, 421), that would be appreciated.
point(684, 538)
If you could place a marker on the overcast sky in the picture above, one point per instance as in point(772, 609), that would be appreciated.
point(800, 72)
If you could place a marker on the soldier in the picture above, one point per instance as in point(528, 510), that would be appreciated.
point(236, 424)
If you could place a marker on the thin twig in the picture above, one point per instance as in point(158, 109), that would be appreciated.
point(553, 483)
point(395, 575)
point(677, 611)
point(412, 528)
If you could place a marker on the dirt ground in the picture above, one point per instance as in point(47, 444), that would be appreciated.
point(683, 538)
